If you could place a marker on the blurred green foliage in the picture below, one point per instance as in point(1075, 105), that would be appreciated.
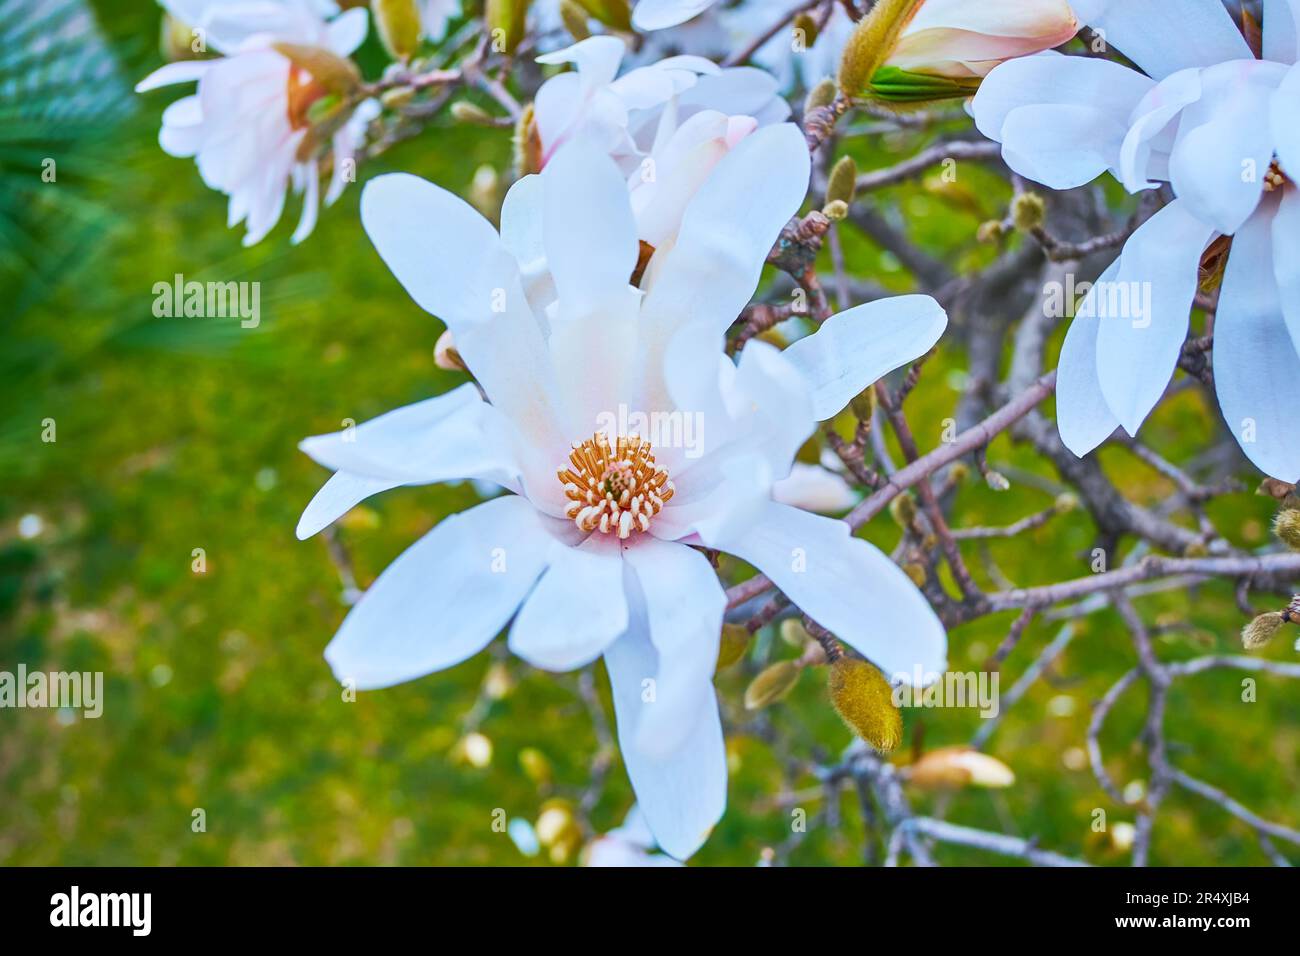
point(177, 434)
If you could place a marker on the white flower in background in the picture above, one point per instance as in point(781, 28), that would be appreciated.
point(632, 844)
point(247, 125)
point(1223, 129)
point(435, 15)
point(815, 488)
point(591, 551)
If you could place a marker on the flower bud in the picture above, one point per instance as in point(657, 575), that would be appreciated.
point(795, 634)
point(398, 22)
point(771, 685)
point(947, 46)
point(1287, 528)
point(527, 143)
point(843, 181)
point(615, 14)
point(903, 510)
point(836, 210)
point(471, 114)
point(916, 571)
point(863, 404)
point(1262, 630)
point(575, 19)
point(823, 94)
point(505, 22)
point(732, 645)
point(951, 768)
point(1028, 210)
point(865, 702)
point(805, 30)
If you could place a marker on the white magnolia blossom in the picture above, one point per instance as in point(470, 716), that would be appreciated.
point(630, 845)
point(594, 549)
point(1222, 128)
point(435, 15)
point(665, 125)
point(246, 124)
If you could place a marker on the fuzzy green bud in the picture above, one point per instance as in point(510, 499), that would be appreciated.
point(843, 181)
point(836, 210)
point(1028, 211)
point(1262, 630)
point(873, 40)
point(823, 94)
point(865, 702)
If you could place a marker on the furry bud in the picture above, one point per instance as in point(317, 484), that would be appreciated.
point(903, 510)
point(1028, 211)
point(865, 702)
point(1287, 528)
point(1262, 630)
point(823, 94)
point(843, 181)
point(836, 210)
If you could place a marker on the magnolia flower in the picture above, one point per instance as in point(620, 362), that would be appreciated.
point(1222, 128)
point(815, 488)
point(626, 440)
point(630, 845)
point(248, 124)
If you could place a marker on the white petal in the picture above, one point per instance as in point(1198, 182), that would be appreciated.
point(1225, 144)
point(1082, 415)
point(659, 14)
point(449, 437)
point(684, 608)
point(1153, 125)
point(682, 795)
point(578, 608)
point(1286, 260)
point(337, 497)
point(1061, 145)
point(1100, 95)
point(185, 71)
point(1282, 30)
point(1165, 36)
point(310, 204)
point(596, 58)
point(1144, 312)
point(814, 488)
point(445, 597)
point(848, 587)
point(853, 349)
point(347, 31)
point(1285, 117)
point(1254, 358)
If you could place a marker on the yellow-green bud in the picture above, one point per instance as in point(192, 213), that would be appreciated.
point(732, 645)
point(397, 97)
point(794, 633)
point(916, 571)
point(960, 471)
point(903, 510)
point(1287, 528)
point(865, 702)
point(1262, 630)
point(1028, 210)
point(398, 23)
point(823, 94)
point(843, 181)
point(575, 19)
point(772, 684)
point(527, 143)
point(863, 404)
point(505, 23)
point(805, 31)
point(616, 14)
point(535, 766)
point(836, 210)
point(463, 111)
point(872, 41)
point(1066, 502)
point(990, 231)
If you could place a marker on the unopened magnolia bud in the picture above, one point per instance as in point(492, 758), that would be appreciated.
point(990, 231)
point(823, 94)
point(794, 633)
point(1287, 528)
point(463, 111)
point(445, 355)
point(397, 97)
point(1028, 210)
point(916, 571)
point(951, 768)
point(805, 30)
point(505, 23)
point(616, 14)
point(1066, 502)
point(863, 404)
point(872, 41)
point(997, 481)
point(528, 143)
point(732, 645)
point(843, 181)
point(535, 766)
point(771, 685)
point(398, 23)
point(903, 510)
point(864, 700)
point(1262, 630)
point(575, 19)
point(335, 73)
point(836, 210)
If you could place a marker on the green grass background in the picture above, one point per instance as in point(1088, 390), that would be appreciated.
point(176, 434)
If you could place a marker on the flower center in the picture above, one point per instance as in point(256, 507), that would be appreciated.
point(615, 490)
point(1274, 178)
